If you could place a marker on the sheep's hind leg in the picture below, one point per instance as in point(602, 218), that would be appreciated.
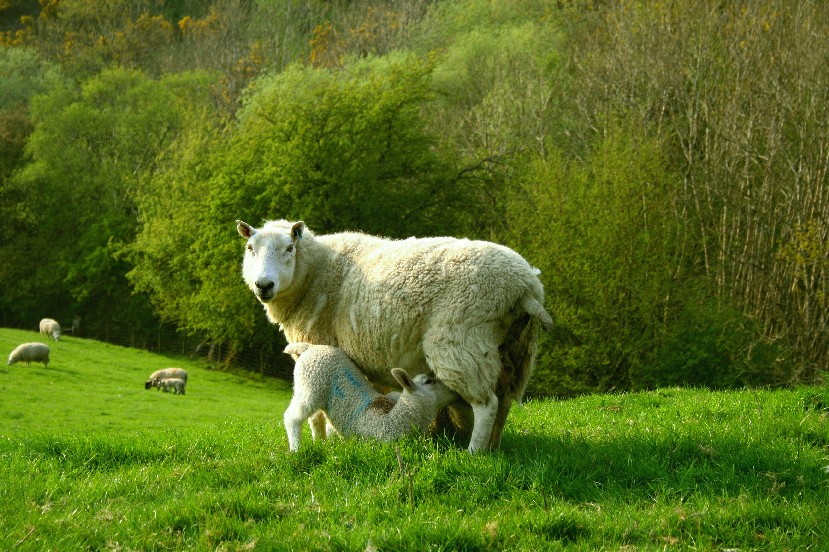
point(467, 361)
point(504, 405)
point(485, 414)
point(517, 357)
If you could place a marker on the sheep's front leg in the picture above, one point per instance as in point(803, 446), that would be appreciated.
point(485, 414)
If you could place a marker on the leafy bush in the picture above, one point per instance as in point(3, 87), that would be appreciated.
point(342, 148)
point(612, 260)
point(709, 345)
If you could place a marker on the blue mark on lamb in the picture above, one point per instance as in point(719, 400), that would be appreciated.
point(326, 379)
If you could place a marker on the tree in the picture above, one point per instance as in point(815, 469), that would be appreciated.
point(339, 149)
point(345, 148)
point(23, 74)
point(88, 154)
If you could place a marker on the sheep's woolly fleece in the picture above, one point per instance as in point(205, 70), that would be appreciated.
point(30, 352)
point(51, 328)
point(442, 303)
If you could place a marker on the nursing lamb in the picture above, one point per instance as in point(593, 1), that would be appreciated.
point(468, 310)
point(326, 379)
point(164, 373)
point(174, 384)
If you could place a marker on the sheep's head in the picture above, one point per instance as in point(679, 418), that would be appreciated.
point(270, 256)
point(423, 385)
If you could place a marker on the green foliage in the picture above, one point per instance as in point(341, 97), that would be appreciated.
point(708, 345)
point(611, 256)
point(107, 464)
point(24, 74)
point(734, 92)
point(172, 262)
point(664, 164)
point(343, 149)
point(493, 86)
point(103, 138)
point(338, 149)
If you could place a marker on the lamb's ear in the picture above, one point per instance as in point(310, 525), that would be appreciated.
point(245, 229)
point(296, 230)
point(403, 378)
point(296, 349)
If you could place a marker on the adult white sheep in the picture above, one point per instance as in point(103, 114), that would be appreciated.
point(30, 352)
point(175, 385)
point(326, 379)
point(165, 373)
point(468, 310)
point(51, 328)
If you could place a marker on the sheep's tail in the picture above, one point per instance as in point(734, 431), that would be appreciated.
point(296, 349)
point(535, 309)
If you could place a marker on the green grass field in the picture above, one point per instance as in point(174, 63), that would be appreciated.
point(89, 460)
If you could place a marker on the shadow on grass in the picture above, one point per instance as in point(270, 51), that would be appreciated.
point(588, 470)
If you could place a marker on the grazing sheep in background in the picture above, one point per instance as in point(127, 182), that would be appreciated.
point(326, 379)
point(51, 328)
point(30, 352)
point(158, 375)
point(177, 385)
point(468, 310)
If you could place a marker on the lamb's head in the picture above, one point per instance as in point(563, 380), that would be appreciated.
point(424, 388)
point(270, 256)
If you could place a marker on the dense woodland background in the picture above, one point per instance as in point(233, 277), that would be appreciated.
point(663, 163)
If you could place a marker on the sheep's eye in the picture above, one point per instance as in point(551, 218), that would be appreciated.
point(250, 248)
point(290, 248)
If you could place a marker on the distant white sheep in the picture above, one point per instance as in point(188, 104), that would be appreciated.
point(326, 379)
point(469, 311)
point(165, 373)
point(174, 384)
point(30, 352)
point(51, 328)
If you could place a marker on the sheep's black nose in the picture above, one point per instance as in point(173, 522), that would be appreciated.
point(264, 285)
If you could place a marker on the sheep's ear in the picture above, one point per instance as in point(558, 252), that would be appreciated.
point(403, 378)
point(245, 229)
point(296, 230)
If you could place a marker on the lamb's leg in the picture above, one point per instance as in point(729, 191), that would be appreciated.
point(295, 415)
point(330, 429)
point(318, 425)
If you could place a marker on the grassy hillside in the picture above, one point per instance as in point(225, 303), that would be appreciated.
point(94, 462)
point(91, 387)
